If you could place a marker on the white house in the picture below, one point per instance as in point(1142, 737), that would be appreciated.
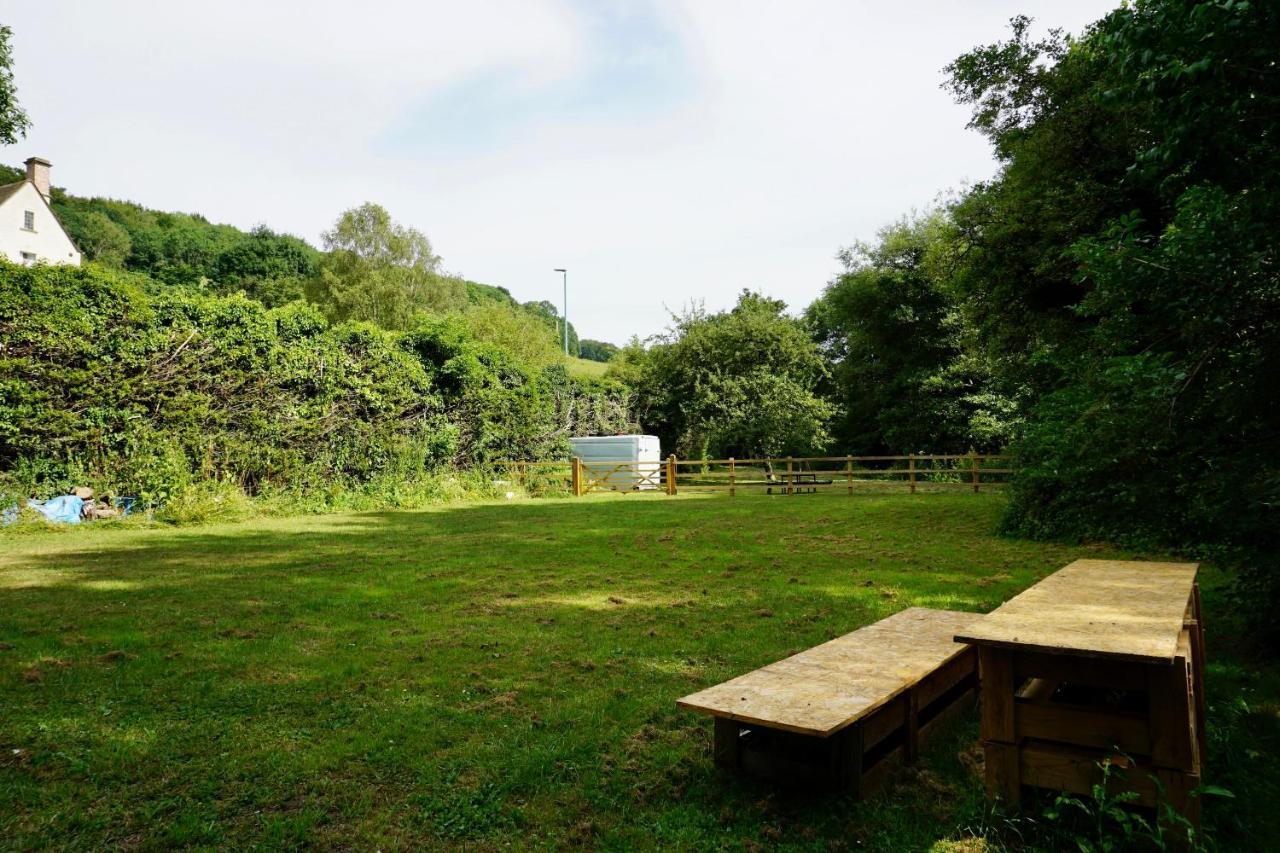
point(29, 232)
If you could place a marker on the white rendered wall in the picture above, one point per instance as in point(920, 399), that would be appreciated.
point(48, 242)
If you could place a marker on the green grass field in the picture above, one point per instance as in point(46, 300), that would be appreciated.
point(584, 368)
point(492, 675)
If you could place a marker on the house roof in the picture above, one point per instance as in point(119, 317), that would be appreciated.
point(9, 189)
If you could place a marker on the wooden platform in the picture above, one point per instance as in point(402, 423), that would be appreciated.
point(1103, 661)
point(834, 711)
point(1122, 609)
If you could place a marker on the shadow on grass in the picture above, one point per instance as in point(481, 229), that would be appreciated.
point(501, 673)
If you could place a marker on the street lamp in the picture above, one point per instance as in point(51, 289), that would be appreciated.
point(565, 274)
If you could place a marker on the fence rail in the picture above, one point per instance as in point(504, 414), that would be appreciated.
point(785, 475)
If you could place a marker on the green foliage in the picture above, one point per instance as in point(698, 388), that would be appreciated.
point(550, 316)
point(269, 267)
point(1107, 822)
point(382, 272)
point(596, 350)
point(13, 119)
point(207, 502)
point(739, 383)
point(151, 394)
point(902, 367)
point(1122, 271)
point(101, 239)
point(186, 251)
point(521, 333)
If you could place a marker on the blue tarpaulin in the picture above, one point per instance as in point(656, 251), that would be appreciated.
point(62, 508)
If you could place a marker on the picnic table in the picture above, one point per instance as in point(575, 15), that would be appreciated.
point(793, 482)
point(1100, 663)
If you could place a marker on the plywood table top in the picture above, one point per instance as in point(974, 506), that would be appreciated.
point(1123, 609)
point(822, 690)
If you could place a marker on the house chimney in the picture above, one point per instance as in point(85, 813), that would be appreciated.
point(38, 174)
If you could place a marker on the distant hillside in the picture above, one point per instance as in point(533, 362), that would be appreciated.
point(187, 250)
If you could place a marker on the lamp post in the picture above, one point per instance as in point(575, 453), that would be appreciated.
point(565, 320)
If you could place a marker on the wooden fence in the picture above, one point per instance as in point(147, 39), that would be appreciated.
point(788, 475)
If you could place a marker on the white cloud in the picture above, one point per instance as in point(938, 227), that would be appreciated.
point(791, 129)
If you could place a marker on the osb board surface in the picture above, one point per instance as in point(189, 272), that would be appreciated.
point(824, 689)
point(1100, 608)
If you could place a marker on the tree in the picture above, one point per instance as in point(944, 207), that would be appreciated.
point(383, 272)
point(738, 383)
point(901, 372)
point(550, 315)
point(1123, 268)
point(272, 268)
point(13, 119)
point(521, 333)
point(101, 239)
point(596, 350)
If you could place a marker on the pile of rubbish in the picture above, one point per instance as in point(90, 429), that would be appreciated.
point(78, 506)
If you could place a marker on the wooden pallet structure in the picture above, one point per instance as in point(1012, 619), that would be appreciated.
point(840, 714)
point(1100, 664)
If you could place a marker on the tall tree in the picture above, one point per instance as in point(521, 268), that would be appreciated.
point(13, 119)
point(383, 272)
point(902, 370)
point(1124, 268)
point(741, 382)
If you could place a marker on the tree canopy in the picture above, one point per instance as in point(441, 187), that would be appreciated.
point(1121, 273)
point(378, 270)
point(13, 118)
point(742, 382)
point(902, 369)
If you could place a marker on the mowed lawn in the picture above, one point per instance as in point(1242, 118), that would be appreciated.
point(494, 675)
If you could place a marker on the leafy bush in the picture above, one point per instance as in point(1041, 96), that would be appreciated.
point(207, 502)
point(150, 394)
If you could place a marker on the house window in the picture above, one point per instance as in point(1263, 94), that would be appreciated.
point(29, 258)
point(29, 220)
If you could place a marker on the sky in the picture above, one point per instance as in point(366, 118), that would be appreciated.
point(663, 151)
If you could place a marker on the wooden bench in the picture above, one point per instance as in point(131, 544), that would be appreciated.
point(841, 713)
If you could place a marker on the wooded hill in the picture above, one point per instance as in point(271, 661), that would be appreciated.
point(187, 250)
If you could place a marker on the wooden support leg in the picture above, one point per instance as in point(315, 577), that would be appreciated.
point(911, 729)
point(995, 671)
point(1003, 777)
point(845, 760)
point(725, 745)
point(999, 738)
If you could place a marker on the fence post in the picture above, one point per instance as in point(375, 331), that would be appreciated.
point(732, 481)
point(911, 471)
point(576, 477)
point(671, 474)
point(848, 472)
point(791, 476)
point(973, 466)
